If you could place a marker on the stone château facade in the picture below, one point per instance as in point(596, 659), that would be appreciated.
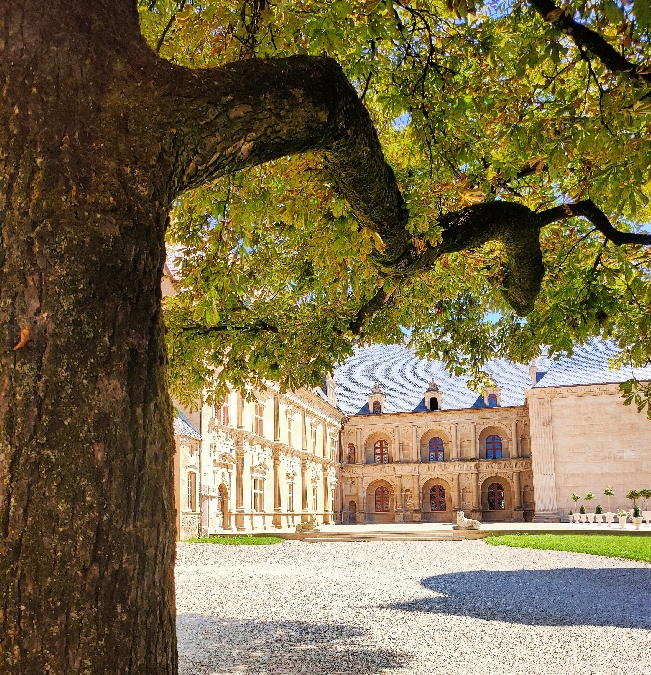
point(392, 438)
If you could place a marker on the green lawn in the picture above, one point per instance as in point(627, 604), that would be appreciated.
point(613, 546)
point(238, 540)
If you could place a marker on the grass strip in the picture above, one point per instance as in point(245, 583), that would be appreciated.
point(239, 540)
point(612, 546)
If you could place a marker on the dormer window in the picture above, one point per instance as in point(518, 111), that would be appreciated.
point(493, 394)
point(376, 400)
point(433, 397)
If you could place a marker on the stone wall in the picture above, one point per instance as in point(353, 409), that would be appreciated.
point(595, 441)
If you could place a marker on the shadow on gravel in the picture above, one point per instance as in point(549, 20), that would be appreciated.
point(560, 597)
point(214, 645)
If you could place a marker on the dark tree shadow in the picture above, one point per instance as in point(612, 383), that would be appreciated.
point(561, 597)
point(210, 644)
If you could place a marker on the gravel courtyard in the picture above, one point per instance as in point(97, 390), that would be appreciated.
point(444, 608)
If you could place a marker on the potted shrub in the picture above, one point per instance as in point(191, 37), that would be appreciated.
point(622, 516)
point(598, 515)
point(637, 517)
point(590, 516)
point(609, 492)
point(571, 516)
point(575, 499)
point(646, 495)
point(582, 514)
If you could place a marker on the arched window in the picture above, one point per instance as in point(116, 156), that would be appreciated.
point(377, 408)
point(382, 499)
point(433, 403)
point(493, 447)
point(381, 452)
point(351, 454)
point(495, 497)
point(435, 449)
point(437, 498)
point(192, 491)
point(492, 401)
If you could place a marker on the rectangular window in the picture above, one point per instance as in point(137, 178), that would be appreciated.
point(290, 497)
point(289, 432)
point(258, 494)
point(258, 419)
point(332, 501)
point(192, 491)
point(314, 499)
point(226, 420)
point(314, 440)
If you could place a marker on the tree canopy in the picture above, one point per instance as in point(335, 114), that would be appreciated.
point(520, 137)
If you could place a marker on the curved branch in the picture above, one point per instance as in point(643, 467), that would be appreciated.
point(589, 39)
point(250, 112)
point(590, 211)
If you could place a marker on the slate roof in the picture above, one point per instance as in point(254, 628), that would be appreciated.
point(183, 426)
point(404, 378)
point(589, 365)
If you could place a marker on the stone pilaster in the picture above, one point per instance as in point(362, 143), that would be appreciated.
point(239, 485)
point(542, 460)
point(304, 509)
point(515, 445)
point(277, 518)
point(454, 450)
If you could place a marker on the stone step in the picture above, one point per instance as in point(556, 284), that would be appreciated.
point(393, 536)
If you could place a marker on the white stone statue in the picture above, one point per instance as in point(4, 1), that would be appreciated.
point(464, 523)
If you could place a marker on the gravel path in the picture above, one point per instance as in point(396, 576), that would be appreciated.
point(435, 608)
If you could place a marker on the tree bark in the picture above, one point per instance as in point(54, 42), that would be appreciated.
point(97, 137)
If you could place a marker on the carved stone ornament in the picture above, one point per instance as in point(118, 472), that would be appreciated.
point(260, 469)
point(464, 523)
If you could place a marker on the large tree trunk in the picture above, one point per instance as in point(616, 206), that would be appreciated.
point(97, 137)
point(86, 444)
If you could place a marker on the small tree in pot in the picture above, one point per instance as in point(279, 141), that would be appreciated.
point(589, 497)
point(609, 492)
point(646, 495)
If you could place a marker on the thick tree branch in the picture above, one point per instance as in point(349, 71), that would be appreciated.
point(590, 211)
point(255, 111)
point(589, 39)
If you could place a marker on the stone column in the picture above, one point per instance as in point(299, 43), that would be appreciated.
point(454, 450)
point(239, 485)
point(276, 417)
point(515, 445)
point(398, 451)
point(326, 496)
point(474, 454)
point(476, 497)
point(415, 451)
point(240, 411)
point(518, 514)
point(304, 514)
point(455, 496)
point(277, 518)
point(542, 460)
point(360, 456)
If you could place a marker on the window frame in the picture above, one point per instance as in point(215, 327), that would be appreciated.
point(258, 495)
point(382, 493)
point(492, 489)
point(381, 450)
point(258, 419)
point(437, 497)
point(439, 452)
point(192, 491)
point(494, 447)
